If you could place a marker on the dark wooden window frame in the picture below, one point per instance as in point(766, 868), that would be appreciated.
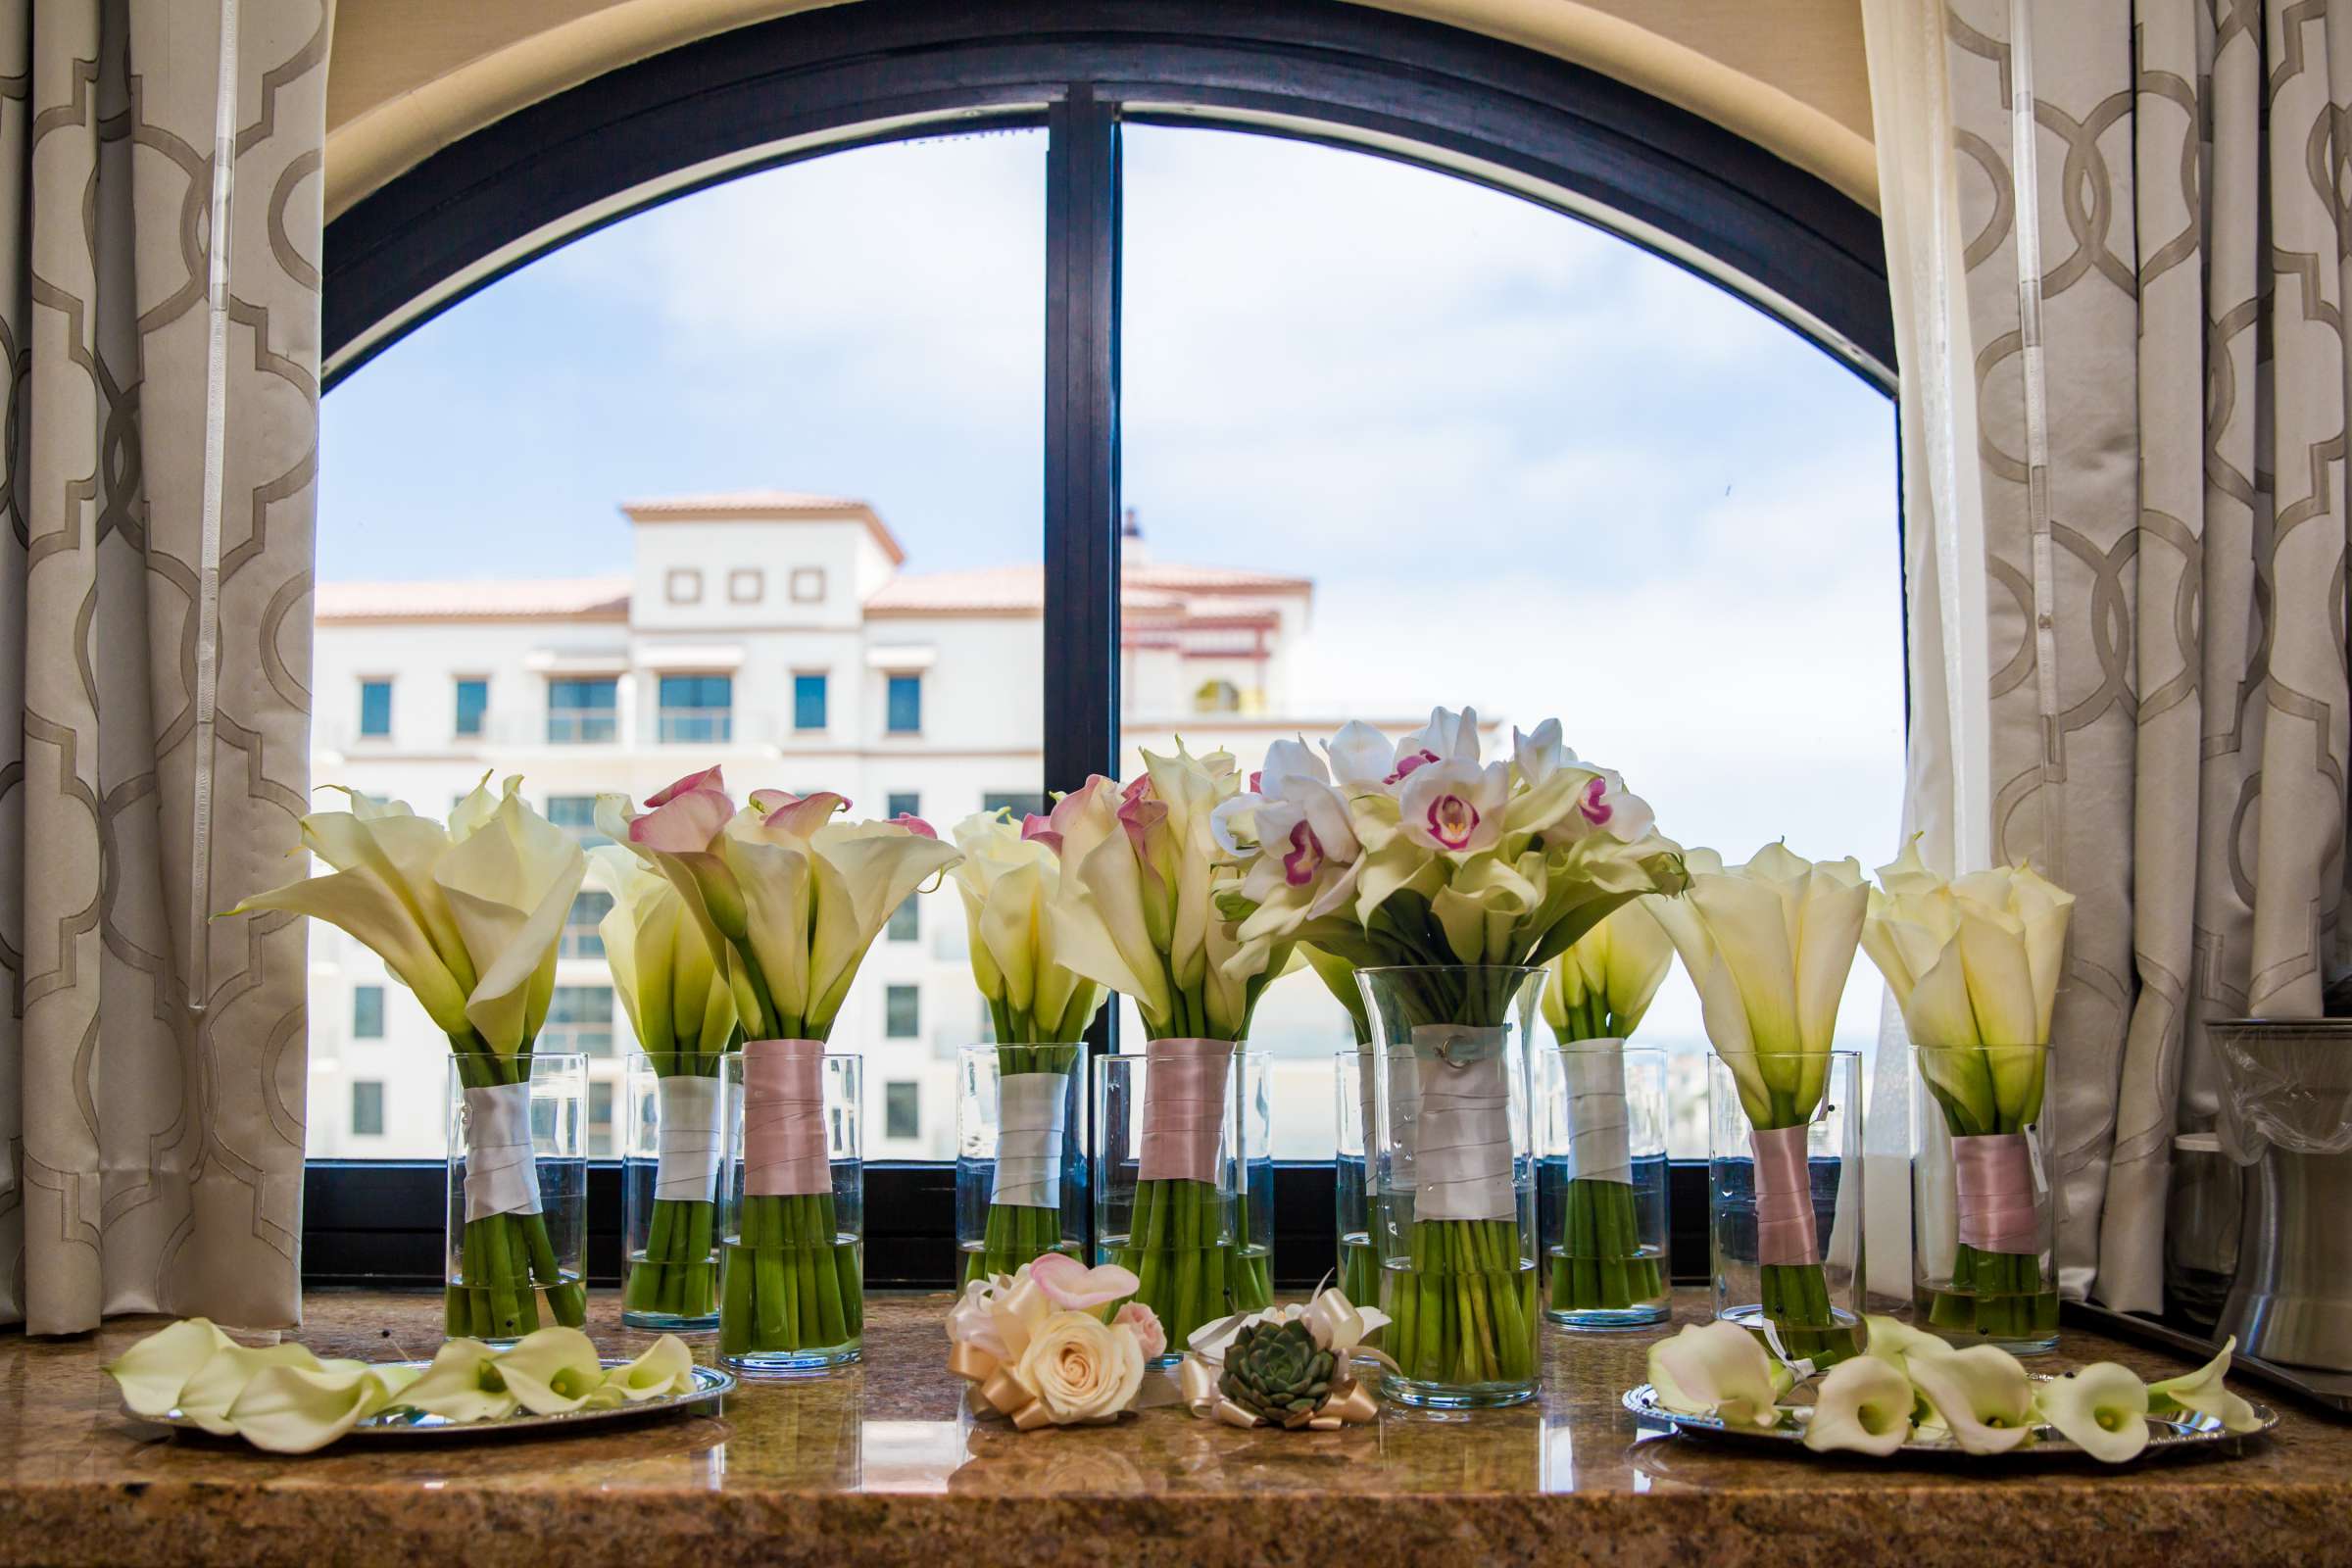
point(817, 83)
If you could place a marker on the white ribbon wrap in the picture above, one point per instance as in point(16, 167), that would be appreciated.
point(1030, 1111)
point(687, 1109)
point(1462, 1134)
point(502, 1175)
point(1599, 1134)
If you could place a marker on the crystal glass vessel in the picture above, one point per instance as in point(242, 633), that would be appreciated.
point(1983, 1223)
point(1603, 1183)
point(793, 1271)
point(673, 1148)
point(1020, 1155)
point(517, 1195)
point(1785, 1204)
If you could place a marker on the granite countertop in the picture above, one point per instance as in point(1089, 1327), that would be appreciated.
point(883, 1464)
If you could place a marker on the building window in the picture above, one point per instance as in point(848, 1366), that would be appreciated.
point(697, 709)
point(904, 803)
point(581, 938)
point(473, 700)
point(746, 585)
point(906, 715)
point(901, 1012)
point(366, 1109)
point(901, 1109)
point(579, 1018)
point(600, 1119)
point(808, 701)
point(366, 1012)
point(682, 585)
point(807, 586)
point(905, 921)
point(375, 709)
point(575, 815)
point(582, 712)
point(1021, 802)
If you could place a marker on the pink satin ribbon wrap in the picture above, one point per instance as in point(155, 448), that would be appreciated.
point(1184, 1109)
point(1994, 1175)
point(784, 1119)
point(1785, 1231)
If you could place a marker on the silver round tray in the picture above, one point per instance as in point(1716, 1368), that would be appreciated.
point(2169, 1433)
point(712, 1385)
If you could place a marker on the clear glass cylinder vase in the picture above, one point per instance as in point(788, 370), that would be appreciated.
point(1453, 1179)
point(1784, 1197)
point(1983, 1222)
point(1359, 1262)
point(671, 1153)
point(1171, 1182)
point(517, 1195)
point(1603, 1183)
point(1020, 1155)
point(791, 1274)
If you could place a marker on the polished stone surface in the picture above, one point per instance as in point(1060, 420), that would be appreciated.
point(883, 1464)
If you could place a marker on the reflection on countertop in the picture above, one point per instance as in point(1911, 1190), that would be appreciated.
point(884, 1463)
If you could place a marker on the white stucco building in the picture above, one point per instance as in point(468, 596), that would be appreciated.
point(781, 635)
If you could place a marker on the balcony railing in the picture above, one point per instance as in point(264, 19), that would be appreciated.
point(581, 728)
point(696, 727)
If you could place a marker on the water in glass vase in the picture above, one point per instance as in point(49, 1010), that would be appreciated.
point(1993, 1298)
point(1359, 1269)
point(503, 1311)
point(1462, 1328)
point(789, 1305)
point(671, 1291)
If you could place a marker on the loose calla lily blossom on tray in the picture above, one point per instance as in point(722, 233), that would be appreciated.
point(283, 1398)
point(1912, 1390)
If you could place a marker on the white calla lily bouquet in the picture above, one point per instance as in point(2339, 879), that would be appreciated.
point(1454, 876)
point(285, 1399)
point(468, 915)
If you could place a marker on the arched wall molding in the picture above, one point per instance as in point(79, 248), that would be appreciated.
point(1786, 74)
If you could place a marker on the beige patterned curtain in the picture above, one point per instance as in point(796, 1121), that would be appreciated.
point(2146, 277)
point(160, 442)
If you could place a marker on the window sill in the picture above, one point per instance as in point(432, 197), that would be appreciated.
point(882, 1465)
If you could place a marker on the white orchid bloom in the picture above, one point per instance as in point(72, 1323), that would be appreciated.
point(2103, 1409)
point(1980, 1395)
point(1360, 758)
point(1448, 737)
point(152, 1373)
point(462, 1385)
point(1454, 807)
point(294, 1409)
point(1769, 945)
point(2201, 1390)
point(1539, 754)
point(663, 1367)
point(1717, 1369)
point(1863, 1407)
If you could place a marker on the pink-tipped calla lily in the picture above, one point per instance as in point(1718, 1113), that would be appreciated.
point(1075, 1288)
point(708, 779)
point(786, 815)
point(914, 825)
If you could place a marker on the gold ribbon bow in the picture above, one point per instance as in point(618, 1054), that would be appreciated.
point(1012, 1311)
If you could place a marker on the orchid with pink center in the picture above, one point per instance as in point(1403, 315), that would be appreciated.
point(1456, 808)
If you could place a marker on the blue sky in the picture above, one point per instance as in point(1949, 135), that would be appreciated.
point(1529, 465)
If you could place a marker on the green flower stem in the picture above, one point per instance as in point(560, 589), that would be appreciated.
point(790, 1281)
point(1465, 1310)
point(1599, 1264)
point(673, 1276)
point(1187, 1271)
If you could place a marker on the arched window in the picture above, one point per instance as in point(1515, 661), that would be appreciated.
point(941, 408)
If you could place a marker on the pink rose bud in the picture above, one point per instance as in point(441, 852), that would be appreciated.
point(1149, 1333)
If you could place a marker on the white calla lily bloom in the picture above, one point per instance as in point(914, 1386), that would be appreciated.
point(2102, 1409)
point(663, 1367)
point(462, 1385)
point(552, 1370)
point(2201, 1390)
point(213, 1391)
point(152, 1373)
point(1982, 1396)
point(1718, 1369)
point(294, 1409)
point(1010, 883)
point(1863, 1407)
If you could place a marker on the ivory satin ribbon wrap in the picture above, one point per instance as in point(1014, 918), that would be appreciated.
point(1184, 1109)
point(1463, 1123)
point(1031, 1108)
point(784, 1119)
point(1599, 1130)
point(1338, 1326)
point(1993, 1175)
point(1785, 1232)
point(502, 1174)
point(688, 1142)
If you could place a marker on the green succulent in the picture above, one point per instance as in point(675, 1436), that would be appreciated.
point(1277, 1371)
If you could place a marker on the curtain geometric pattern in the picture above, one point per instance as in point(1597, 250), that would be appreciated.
point(155, 579)
point(2154, 222)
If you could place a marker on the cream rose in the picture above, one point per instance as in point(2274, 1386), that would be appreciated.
point(1080, 1369)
